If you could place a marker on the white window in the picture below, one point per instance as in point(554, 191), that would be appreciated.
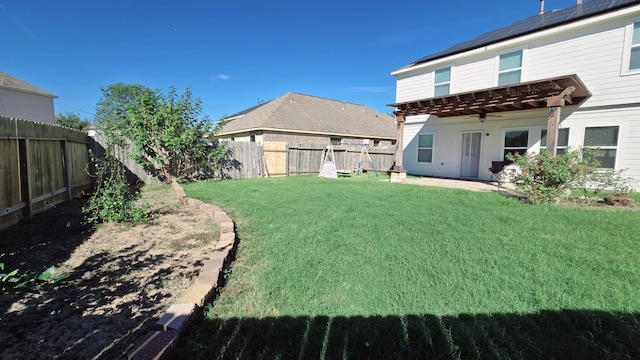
point(510, 68)
point(634, 52)
point(516, 142)
point(442, 82)
point(604, 138)
point(425, 148)
point(631, 58)
point(561, 143)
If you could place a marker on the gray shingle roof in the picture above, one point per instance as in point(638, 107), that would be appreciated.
point(294, 112)
point(533, 24)
point(9, 82)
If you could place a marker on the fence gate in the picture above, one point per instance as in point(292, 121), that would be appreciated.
point(275, 158)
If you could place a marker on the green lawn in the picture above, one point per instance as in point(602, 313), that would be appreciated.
point(369, 269)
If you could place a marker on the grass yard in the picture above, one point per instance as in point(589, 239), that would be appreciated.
point(353, 269)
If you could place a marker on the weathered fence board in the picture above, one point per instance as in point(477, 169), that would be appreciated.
point(282, 158)
point(135, 172)
point(245, 160)
point(40, 165)
point(305, 158)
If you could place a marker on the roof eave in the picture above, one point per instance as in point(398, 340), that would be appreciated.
point(310, 132)
point(43, 93)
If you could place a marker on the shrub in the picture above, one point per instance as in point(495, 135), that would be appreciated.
point(545, 178)
point(114, 199)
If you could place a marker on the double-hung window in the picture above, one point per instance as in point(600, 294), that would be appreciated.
point(425, 148)
point(605, 138)
point(561, 143)
point(634, 52)
point(442, 82)
point(516, 142)
point(510, 68)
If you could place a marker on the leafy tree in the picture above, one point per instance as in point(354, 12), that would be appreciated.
point(72, 120)
point(112, 109)
point(114, 199)
point(170, 133)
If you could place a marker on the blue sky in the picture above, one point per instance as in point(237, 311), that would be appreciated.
point(234, 54)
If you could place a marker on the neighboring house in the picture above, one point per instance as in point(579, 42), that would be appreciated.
point(469, 105)
point(304, 119)
point(21, 100)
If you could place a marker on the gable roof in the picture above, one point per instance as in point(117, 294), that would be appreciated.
point(533, 24)
point(9, 82)
point(300, 113)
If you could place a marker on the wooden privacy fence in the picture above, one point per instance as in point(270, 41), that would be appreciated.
point(136, 173)
point(307, 158)
point(41, 165)
point(251, 160)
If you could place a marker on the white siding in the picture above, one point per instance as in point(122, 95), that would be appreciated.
point(26, 106)
point(594, 52)
point(418, 86)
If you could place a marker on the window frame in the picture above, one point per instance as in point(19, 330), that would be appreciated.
point(604, 147)
point(505, 148)
point(560, 149)
point(628, 46)
point(432, 148)
point(443, 83)
point(510, 70)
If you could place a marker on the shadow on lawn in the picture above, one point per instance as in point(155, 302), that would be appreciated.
point(568, 334)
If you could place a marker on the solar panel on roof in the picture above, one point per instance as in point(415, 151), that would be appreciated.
point(534, 23)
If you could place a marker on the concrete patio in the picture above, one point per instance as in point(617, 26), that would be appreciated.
point(473, 185)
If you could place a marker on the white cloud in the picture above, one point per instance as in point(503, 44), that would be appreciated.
point(223, 76)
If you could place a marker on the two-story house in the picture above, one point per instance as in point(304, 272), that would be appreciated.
point(21, 100)
point(565, 78)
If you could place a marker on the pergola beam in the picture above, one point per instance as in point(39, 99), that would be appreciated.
point(520, 96)
point(555, 104)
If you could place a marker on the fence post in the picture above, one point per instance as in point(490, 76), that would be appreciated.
point(65, 169)
point(25, 170)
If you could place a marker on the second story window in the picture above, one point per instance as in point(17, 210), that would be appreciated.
point(510, 68)
point(442, 82)
point(634, 56)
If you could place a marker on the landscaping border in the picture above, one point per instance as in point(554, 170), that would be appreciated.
point(159, 342)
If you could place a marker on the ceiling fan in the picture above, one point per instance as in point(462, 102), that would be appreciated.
point(483, 116)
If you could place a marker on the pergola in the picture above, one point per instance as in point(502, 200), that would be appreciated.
point(552, 93)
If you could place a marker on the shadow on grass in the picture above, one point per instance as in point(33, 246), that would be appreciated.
point(568, 334)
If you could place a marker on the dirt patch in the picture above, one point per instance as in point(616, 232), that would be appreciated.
point(121, 278)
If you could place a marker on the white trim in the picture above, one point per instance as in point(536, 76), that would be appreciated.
point(497, 46)
point(626, 55)
point(606, 147)
point(443, 83)
point(433, 148)
point(496, 76)
point(308, 132)
point(528, 129)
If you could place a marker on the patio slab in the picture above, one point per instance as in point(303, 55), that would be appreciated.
point(473, 185)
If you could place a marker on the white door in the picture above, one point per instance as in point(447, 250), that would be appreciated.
point(470, 163)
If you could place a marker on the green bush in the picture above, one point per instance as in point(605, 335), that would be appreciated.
point(114, 199)
point(545, 178)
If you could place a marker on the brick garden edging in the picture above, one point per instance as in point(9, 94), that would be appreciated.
point(158, 343)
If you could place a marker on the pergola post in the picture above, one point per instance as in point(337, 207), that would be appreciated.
point(398, 173)
point(555, 104)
